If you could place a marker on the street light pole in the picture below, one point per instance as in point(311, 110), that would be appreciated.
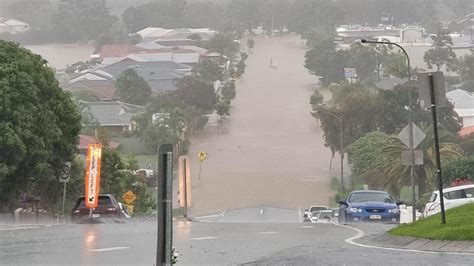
point(410, 122)
point(341, 145)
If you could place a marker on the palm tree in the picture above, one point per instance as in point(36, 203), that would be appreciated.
point(396, 175)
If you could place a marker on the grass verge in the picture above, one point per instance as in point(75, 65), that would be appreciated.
point(459, 225)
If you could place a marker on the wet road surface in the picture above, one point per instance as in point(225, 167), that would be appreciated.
point(270, 151)
point(205, 243)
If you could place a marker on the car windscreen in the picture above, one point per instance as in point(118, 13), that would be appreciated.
point(365, 197)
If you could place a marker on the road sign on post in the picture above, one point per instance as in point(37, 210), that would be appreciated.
point(184, 183)
point(407, 160)
point(202, 156)
point(92, 184)
point(129, 197)
point(424, 89)
point(65, 172)
point(418, 136)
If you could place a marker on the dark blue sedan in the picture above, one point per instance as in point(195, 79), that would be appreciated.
point(369, 206)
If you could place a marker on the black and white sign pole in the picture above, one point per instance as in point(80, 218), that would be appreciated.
point(436, 141)
point(165, 227)
point(64, 176)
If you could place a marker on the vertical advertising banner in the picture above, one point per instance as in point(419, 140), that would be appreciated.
point(92, 182)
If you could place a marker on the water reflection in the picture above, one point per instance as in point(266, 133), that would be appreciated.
point(182, 228)
point(90, 240)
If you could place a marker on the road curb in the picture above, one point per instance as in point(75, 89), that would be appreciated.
point(414, 243)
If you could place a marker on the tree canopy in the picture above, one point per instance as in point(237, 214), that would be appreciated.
point(39, 124)
point(131, 88)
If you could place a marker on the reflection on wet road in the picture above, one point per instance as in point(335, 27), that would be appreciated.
point(204, 243)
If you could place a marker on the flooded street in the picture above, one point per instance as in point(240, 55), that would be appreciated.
point(59, 56)
point(270, 151)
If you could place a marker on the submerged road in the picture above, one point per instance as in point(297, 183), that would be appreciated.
point(269, 152)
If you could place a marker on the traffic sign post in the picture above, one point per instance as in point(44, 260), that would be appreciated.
point(64, 176)
point(202, 156)
point(129, 197)
point(92, 182)
point(184, 184)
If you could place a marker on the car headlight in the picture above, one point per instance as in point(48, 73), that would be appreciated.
point(394, 210)
point(354, 210)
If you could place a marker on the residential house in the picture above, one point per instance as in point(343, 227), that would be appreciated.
point(463, 102)
point(13, 26)
point(152, 34)
point(160, 75)
point(116, 116)
point(100, 83)
point(85, 140)
point(112, 53)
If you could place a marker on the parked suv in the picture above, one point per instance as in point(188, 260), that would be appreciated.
point(108, 207)
point(453, 197)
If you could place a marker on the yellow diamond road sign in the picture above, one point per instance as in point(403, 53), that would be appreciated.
point(202, 155)
point(129, 197)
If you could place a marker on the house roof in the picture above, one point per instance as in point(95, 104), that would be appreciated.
point(105, 90)
point(461, 99)
point(152, 32)
point(13, 22)
point(466, 131)
point(182, 33)
point(113, 113)
point(92, 75)
point(85, 140)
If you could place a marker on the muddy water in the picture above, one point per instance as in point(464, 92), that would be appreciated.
point(270, 151)
point(59, 56)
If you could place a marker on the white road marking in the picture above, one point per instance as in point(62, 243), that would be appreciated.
point(268, 233)
point(360, 234)
point(20, 228)
point(307, 226)
point(299, 214)
point(204, 238)
point(210, 216)
point(261, 211)
point(107, 249)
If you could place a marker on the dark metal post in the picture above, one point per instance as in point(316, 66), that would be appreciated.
point(64, 199)
point(185, 180)
point(341, 139)
point(436, 141)
point(165, 175)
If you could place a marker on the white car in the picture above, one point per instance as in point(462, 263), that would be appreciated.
point(312, 214)
point(453, 197)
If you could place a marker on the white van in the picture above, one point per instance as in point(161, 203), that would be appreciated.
point(453, 197)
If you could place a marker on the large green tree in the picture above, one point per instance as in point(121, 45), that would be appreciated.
point(158, 13)
point(131, 88)
point(39, 124)
point(325, 61)
point(208, 70)
point(196, 92)
point(224, 44)
point(441, 52)
point(81, 20)
point(459, 168)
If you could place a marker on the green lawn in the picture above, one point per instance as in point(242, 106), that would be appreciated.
point(459, 226)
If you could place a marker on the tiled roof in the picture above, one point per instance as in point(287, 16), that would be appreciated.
point(85, 140)
point(113, 113)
